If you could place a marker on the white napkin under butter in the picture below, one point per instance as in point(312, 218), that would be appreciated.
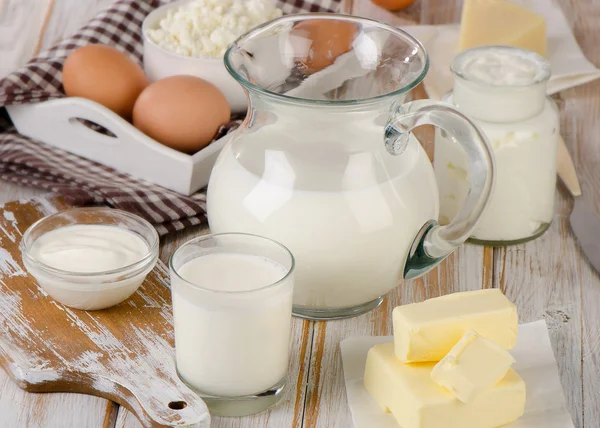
point(569, 65)
point(545, 405)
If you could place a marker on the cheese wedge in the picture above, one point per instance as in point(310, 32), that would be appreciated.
point(427, 331)
point(416, 401)
point(499, 22)
point(473, 366)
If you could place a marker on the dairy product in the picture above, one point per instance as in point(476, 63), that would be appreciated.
point(522, 125)
point(89, 248)
point(500, 84)
point(427, 331)
point(474, 365)
point(522, 202)
point(92, 266)
point(500, 22)
point(500, 67)
point(205, 28)
point(345, 208)
point(232, 329)
point(416, 401)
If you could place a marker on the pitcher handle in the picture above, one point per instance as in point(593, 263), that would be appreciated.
point(434, 242)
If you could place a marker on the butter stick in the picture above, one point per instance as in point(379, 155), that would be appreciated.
point(416, 401)
point(473, 366)
point(427, 331)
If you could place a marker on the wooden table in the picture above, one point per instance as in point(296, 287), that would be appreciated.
point(547, 278)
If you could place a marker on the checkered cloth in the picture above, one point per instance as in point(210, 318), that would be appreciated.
point(80, 181)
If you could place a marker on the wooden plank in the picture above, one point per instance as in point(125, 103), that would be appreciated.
point(29, 26)
point(21, 25)
point(13, 192)
point(581, 110)
point(21, 409)
point(549, 277)
point(68, 16)
point(543, 278)
point(288, 413)
point(124, 353)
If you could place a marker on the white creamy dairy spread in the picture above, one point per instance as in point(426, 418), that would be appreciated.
point(503, 90)
point(89, 248)
point(500, 68)
point(207, 27)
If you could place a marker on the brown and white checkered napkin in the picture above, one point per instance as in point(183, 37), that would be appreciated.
point(80, 181)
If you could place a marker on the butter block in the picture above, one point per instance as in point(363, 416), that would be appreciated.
point(416, 401)
point(427, 331)
point(499, 22)
point(473, 366)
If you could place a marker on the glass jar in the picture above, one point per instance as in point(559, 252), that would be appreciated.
point(503, 89)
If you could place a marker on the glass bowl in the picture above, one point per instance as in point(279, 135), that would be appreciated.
point(82, 288)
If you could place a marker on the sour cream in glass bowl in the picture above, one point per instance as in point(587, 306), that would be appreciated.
point(90, 258)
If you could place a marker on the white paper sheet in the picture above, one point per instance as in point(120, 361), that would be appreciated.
point(545, 406)
point(569, 65)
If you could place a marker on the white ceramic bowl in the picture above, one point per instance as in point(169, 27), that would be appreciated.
point(95, 290)
point(160, 63)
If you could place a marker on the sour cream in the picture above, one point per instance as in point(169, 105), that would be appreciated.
point(500, 83)
point(503, 90)
point(498, 66)
point(90, 258)
point(89, 248)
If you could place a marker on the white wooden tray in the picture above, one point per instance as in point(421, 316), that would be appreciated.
point(129, 151)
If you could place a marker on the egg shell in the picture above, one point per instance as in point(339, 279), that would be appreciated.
point(393, 4)
point(328, 39)
point(181, 112)
point(103, 74)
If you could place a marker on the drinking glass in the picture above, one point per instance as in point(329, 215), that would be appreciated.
point(232, 309)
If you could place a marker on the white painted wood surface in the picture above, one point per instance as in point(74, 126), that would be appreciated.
point(30, 26)
point(22, 25)
point(21, 409)
point(546, 278)
point(27, 27)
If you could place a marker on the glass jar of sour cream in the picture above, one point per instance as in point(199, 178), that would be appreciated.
point(504, 90)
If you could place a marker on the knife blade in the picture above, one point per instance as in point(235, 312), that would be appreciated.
point(585, 222)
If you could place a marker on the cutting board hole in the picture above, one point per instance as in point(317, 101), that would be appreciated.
point(177, 405)
point(77, 121)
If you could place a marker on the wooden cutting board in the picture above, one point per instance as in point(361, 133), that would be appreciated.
point(124, 354)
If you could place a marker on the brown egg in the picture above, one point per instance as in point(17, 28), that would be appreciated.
point(393, 4)
point(105, 75)
point(182, 112)
point(329, 39)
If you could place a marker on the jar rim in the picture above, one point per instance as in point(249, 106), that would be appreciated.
point(543, 74)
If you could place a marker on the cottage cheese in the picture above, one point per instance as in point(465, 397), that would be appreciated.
point(205, 28)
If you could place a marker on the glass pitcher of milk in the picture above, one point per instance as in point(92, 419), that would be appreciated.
point(325, 162)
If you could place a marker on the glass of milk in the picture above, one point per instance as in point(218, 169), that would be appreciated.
point(232, 309)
